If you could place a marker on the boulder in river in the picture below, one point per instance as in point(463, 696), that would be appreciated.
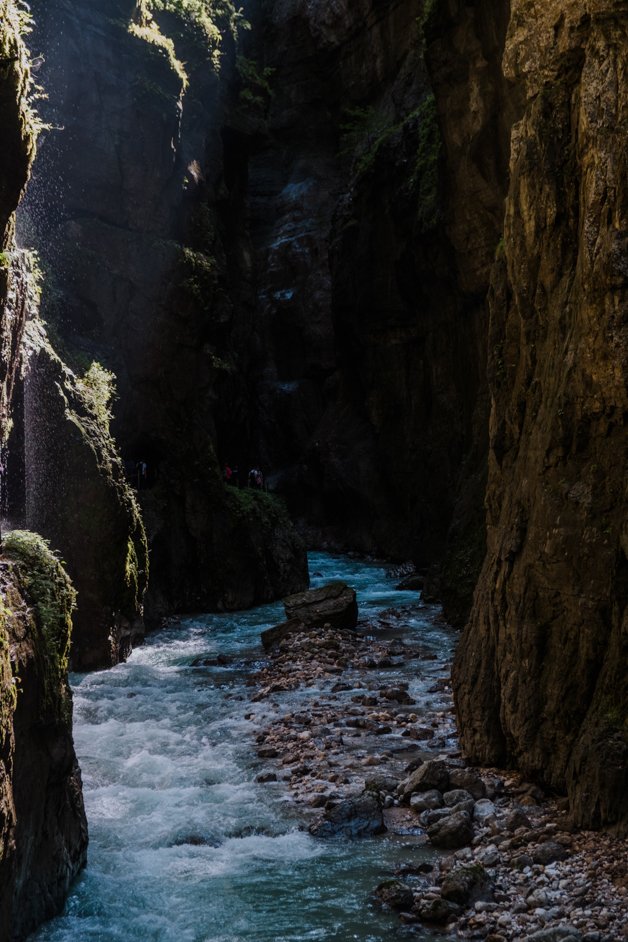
point(334, 604)
point(393, 894)
point(360, 816)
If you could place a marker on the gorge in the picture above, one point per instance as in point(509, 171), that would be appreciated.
point(378, 250)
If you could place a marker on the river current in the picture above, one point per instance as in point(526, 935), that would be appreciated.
point(185, 846)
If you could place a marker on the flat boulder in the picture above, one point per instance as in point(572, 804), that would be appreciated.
point(334, 604)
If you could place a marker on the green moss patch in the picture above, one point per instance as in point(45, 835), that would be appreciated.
point(263, 512)
point(50, 594)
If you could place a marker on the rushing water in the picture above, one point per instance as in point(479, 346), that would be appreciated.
point(185, 846)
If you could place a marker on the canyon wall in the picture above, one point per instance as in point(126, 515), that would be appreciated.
point(284, 250)
point(43, 831)
point(141, 245)
point(541, 672)
point(371, 314)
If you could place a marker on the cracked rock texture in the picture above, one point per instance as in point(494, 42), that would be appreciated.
point(541, 675)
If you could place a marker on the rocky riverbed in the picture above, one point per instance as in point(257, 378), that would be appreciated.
point(362, 757)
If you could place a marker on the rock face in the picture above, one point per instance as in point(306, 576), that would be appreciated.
point(18, 149)
point(367, 390)
point(77, 494)
point(43, 830)
point(314, 299)
point(150, 277)
point(541, 675)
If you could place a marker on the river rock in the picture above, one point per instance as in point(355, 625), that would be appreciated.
point(429, 776)
point(356, 817)
point(467, 885)
point(452, 832)
point(484, 811)
point(393, 894)
point(439, 911)
point(555, 934)
point(412, 583)
point(516, 819)
point(381, 783)
point(469, 780)
point(275, 635)
point(548, 852)
point(334, 604)
point(455, 796)
point(426, 801)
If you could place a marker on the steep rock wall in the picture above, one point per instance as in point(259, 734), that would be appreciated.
point(541, 673)
point(370, 371)
point(43, 830)
point(17, 152)
point(134, 238)
point(76, 490)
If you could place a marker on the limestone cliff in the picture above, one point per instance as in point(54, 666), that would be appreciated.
point(541, 673)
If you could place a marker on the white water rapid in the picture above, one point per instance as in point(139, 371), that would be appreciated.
point(185, 846)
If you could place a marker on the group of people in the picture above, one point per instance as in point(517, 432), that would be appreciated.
point(255, 479)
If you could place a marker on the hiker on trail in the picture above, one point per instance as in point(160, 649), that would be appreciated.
point(228, 475)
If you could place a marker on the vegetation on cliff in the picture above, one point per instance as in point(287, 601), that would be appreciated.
point(49, 591)
point(204, 22)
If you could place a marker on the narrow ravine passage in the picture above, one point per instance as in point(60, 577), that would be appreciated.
point(185, 845)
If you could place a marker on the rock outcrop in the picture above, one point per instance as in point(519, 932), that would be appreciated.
point(43, 830)
point(78, 496)
point(541, 673)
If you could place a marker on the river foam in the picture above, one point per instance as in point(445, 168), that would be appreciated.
point(185, 846)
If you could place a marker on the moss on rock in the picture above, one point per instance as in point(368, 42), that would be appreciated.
point(48, 589)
